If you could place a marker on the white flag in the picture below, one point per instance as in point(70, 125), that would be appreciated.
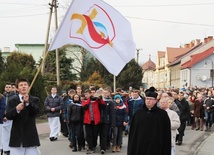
point(99, 28)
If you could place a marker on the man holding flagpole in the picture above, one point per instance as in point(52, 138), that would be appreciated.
point(96, 26)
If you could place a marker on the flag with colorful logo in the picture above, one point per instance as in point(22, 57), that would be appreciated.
point(99, 28)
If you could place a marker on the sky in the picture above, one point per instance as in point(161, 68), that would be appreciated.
point(155, 24)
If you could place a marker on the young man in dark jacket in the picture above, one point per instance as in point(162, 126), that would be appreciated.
point(107, 120)
point(53, 105)
point(184, 116)
point(22, 109)
point(209, 108)
point(75, 121)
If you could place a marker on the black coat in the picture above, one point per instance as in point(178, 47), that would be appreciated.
point(150, 132)
point(184, 110)
point(75, 113)
point(24, 129)
point(107, 112)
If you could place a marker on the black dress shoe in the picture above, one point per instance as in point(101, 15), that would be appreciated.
point(51, 138)
point(54, 138)
point(179, 143)
point(74, 150)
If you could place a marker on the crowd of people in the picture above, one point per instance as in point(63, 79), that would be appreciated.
point(95, 112)
point(82, 116)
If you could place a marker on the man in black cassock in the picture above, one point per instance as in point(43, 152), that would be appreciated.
point(150, 129)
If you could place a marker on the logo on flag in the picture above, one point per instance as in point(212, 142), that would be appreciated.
point(100, 29)
point(100, 33)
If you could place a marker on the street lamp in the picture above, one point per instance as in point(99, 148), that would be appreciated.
point(211, 72)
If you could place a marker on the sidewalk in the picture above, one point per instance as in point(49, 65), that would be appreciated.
point(43, 128)
point(206, 147)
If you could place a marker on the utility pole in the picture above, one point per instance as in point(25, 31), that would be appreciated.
point(138, 49)
point(57, 53)
point(53, 5)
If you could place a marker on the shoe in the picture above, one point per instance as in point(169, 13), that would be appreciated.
point(74, 150)
point(71, 145)
point(197, 129)
point(90, 152)
point(65, 135)
point(54, 139)
point(126, 133)
point(179, 143)
point(79, 148)
point(114, 149)
point(102, 151)
point(118, 148)
point(51, 138)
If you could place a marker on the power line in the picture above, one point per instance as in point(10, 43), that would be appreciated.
point(165, 5)
point(157, 20)
point(24, 15)
point(8, 3)
point(22, 9)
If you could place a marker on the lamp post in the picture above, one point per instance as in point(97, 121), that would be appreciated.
point(211, 72)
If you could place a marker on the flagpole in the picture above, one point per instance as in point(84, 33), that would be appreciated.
point(39, 69)
point(114, 83)
point(47, 36)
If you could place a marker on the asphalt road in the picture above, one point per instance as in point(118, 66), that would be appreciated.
point(191, 142)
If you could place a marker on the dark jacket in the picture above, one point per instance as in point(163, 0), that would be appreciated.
point(2, 108)
point(66, 104)
point(120, 113)
point(134, 105)
point(56, 102)
point(75, 113)
point(184, 110)
point(199, 109)
point(107, 112)
point(209, 102)
point(24, 131)
point(150, 132)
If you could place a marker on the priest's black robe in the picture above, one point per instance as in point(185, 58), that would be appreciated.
point(150, 132)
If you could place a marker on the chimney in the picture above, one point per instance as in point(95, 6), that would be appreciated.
point(6, 49)
point(205, 40)
point(186, 46)
point(198, 41)
point(210, 38)
point(192, 43)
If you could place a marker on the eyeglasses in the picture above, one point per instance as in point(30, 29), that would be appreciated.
point(147, 98)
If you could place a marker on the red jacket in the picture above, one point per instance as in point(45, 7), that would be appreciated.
point(96, 111)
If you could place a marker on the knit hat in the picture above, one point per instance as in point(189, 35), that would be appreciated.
point(151, 92)
point(117, 96)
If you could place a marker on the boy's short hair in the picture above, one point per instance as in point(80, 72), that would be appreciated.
point(21, 80)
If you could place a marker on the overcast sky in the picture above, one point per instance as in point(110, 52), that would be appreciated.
point(155, 24)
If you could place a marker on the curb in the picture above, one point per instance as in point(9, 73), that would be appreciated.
point(204, 138)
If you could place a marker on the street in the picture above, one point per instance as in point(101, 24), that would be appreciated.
point(191, 143)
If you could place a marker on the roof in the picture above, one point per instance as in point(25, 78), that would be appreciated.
point(178, 58)
point(149, 65)
point(175, 52)
point(197, 58)
point(161, 54)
